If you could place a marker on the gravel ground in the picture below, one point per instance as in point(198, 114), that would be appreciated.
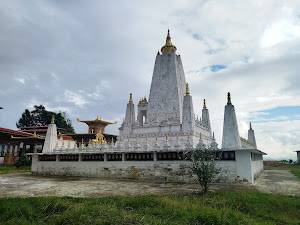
point(26, 184)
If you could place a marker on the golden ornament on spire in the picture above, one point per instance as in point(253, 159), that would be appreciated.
point(168, 47)
point(52, 120)
point(204, 104)
point(213, 135)
point(187, 89)
point(166, 137)
point(130, 98)
point(228, 98)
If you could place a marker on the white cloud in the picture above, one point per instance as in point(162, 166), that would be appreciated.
point(77, 99)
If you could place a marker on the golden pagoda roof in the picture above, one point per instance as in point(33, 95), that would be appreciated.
point(34, 136)
point(168, 47)
point(97, 120)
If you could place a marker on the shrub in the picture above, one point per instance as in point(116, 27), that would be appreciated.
point(23, 161)
point(202, 165)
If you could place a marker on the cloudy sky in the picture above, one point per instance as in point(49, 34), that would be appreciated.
point(85, 57)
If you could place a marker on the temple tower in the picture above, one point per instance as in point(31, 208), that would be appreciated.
point(168, 85)
point(188, 118)
point(251, 136)
point(129, 117)
point(205, 116)
point(51, 137)
point(231, 137)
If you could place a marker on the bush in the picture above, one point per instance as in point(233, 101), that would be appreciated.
point(202, 165)
point(23, 161)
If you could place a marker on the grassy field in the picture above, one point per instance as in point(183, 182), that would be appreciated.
point(214, 208)
point(275, 165)
point(14, 169)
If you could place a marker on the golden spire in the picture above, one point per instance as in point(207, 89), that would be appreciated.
point(130, 98)
point(187, 89)
point(228, 98)
point(204, 104)
point(166, 137)
point(52, 120)
point(156, 138)
point(168, 47)
point(213, 135)
point(128, 139)
point(250, 126)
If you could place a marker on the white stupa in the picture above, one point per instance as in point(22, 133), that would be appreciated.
point(169, 111)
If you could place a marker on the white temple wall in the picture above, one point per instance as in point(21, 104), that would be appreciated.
point(257, 167)
point(243, 165)
point(145, 170)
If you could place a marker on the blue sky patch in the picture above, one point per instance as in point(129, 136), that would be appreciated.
point(277, 114)
point(215, 68)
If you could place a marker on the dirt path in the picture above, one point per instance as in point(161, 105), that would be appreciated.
point(278, 181)
point(26, 184)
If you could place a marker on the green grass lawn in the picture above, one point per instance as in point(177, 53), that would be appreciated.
point(14, 169)
point(214, 208)
point(294, 168)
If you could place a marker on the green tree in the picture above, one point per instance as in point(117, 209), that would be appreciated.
point(39, 116)
point(203, 166)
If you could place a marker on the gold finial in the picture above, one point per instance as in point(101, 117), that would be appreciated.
point(166, 116)
point(204, 104)
point(130, 98)
point(250, 126)
point(166, 137)
point(228, 98)
point(156, 138)
point(187, 89)
point(168, 47)
point(146, 138)
point(213, 135)
point(177, 137)
point(137, 139)
point(82, 141)
point(112, 139)
point(128, 139)
point(52, 120)
point(120, 139)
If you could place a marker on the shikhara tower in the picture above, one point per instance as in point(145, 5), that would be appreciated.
point(169, 113)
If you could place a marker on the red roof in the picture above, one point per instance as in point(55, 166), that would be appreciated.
point(16, 132)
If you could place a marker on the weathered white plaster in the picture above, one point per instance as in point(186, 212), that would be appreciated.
point(51, 138)
point(231, 137)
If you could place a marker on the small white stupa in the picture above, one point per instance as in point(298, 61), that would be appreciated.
point(51, 137)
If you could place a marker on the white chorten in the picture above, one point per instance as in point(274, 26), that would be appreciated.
point(51, 137)
point(169, 111)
